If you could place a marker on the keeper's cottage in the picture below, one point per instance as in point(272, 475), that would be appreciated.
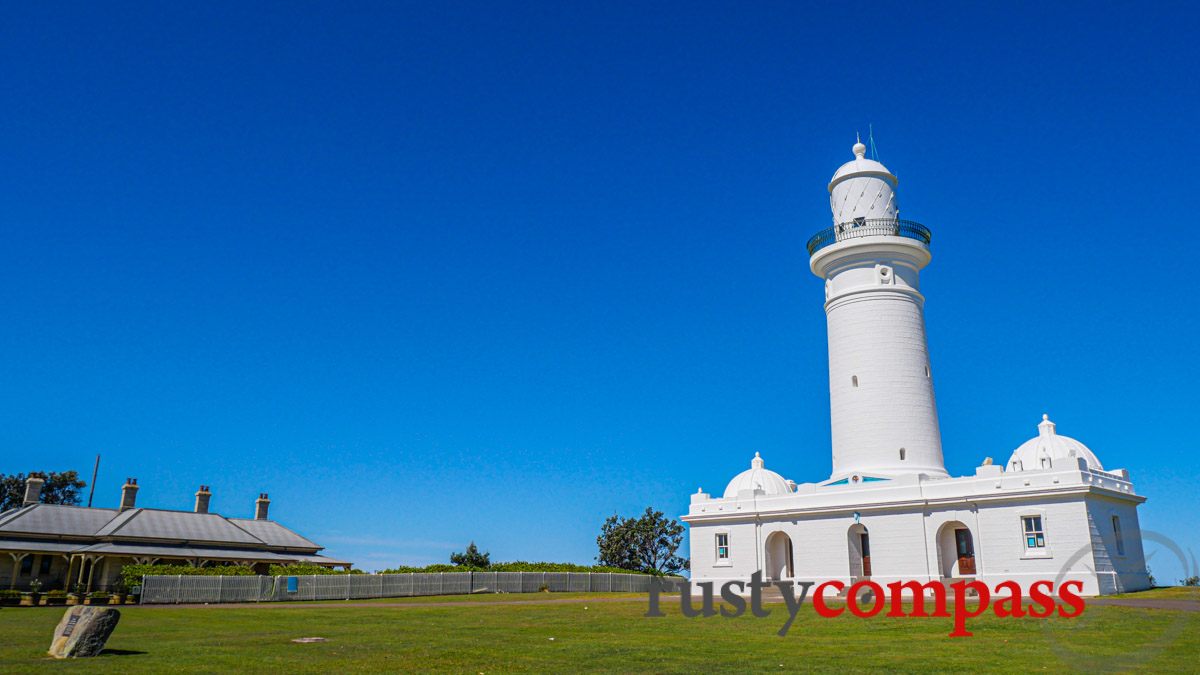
point(64, 547)
point(889, 511)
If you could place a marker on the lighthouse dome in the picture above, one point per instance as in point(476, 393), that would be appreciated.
point(1049, 449)
point(862, 189)
point(757, 478)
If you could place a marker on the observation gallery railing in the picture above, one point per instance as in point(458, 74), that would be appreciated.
point(868, 228)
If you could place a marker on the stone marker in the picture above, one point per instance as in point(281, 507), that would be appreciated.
point(307, 640)
point(83, 631)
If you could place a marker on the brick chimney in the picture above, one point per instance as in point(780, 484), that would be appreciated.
point(129, 494)
point(260, 507)
point(33, 489)
point(202, 497)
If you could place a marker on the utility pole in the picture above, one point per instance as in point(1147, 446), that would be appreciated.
point(92, 492)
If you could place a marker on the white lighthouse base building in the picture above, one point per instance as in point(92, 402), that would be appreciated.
point(1067, 520)
point(890, 511)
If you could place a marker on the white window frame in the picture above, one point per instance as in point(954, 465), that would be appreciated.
point(1038, 552)
point(727, 560)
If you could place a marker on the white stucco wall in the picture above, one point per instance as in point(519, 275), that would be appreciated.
point(910, 522)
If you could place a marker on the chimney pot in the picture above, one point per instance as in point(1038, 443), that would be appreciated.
point(202, 498)
point(129, 494)
point(260, 506)
point(33, 489)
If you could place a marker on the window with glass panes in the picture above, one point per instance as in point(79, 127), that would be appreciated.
point(723, 546)
point(1034, 537)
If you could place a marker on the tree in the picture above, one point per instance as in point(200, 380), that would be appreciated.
point(471, 558)
point(60, 488)
point(645, 544)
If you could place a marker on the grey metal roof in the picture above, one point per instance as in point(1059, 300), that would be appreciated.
point(180, 525)
point(118, 549)
point(37, 546)
point(56, 519)
point(319, 560)
point(153, 524)
point(5, 515)
point(273, 533)
point(150, 551)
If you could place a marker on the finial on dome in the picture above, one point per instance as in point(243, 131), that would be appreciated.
point(757, 462)
point(1046, 428)
point(860, 150)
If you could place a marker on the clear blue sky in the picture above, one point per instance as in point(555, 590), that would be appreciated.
point(437, 272)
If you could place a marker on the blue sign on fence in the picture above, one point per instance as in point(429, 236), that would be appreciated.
point(293, 584)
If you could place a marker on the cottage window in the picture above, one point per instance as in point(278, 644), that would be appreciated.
point(1117, 532)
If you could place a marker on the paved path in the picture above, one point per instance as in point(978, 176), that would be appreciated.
point(1184, 604)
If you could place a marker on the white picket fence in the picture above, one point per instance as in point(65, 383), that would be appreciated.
point(214, 589)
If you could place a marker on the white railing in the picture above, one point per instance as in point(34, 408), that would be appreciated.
point(215, 589)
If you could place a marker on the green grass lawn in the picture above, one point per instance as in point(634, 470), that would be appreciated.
point(1181, 592)
point(604, 637)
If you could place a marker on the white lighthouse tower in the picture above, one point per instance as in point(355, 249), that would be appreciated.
point(882, 410)
point(889, 512)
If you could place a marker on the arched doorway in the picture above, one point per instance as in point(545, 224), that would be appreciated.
point(860, 551)
point(956, 548)
point(779, 557)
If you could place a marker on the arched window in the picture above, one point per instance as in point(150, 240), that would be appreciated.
point(901, 454)
point(854, 381)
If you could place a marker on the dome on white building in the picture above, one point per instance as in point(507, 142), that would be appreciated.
point(1048, 448)
point(758, 478)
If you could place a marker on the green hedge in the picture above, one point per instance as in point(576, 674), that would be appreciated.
point(517, 566)
point(305, 570)
point(131, 575)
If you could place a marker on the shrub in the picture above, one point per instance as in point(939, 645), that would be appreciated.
point(131, 575)
point(56, 594)
point(471, 558)
point(305, 570)
point(516, 566)
point(9, 594)
point(99, 595)
point(1190, 581)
